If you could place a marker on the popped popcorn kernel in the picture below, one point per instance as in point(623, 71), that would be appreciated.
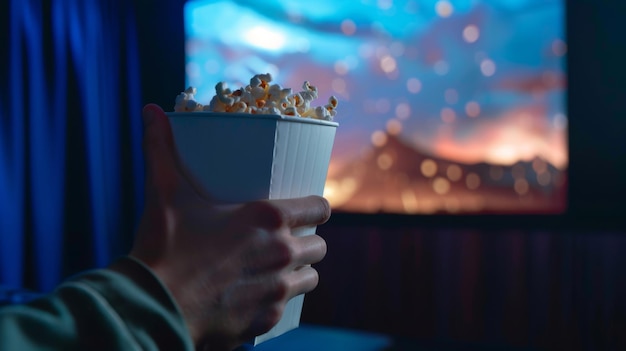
point(260, 97)
point(239, 107)
point(185, 101)
point(333, 101)
point(290, 111)
point(192, 105)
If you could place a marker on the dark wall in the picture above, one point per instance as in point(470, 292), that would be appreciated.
point(597, 108)
point(162, 50)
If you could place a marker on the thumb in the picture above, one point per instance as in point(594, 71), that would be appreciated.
point(162, 173)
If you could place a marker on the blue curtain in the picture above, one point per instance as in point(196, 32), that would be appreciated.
point(70, 103)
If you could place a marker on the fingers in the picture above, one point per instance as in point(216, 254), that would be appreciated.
point(284, 253)
point(293, 213)
point(159, 153)
point(311, 249)
point(302, 280)
point(273, 294)
point(272, 247)
point(310, 210)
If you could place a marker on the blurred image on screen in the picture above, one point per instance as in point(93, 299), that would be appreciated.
point(444, 106)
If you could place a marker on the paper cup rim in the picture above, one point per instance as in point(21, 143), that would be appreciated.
point(205, 114)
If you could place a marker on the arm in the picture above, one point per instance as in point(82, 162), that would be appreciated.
point(123, 307)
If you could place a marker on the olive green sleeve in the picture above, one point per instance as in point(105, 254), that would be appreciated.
point(123, 307)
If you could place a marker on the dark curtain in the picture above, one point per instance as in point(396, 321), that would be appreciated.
point(70, 130)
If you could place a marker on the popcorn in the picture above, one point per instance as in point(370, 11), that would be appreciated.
point(185, 101)
point(259, 97)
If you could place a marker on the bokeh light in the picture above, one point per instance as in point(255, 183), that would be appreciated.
point(403, 111)
point(379, 138)
point(441, 185)
point(471, 33)
point(388, 64)
point(444, 8)
point(521, 186)
point(428, 168)
point(348, 27)
point(488, 67)
point(414, 85)
point(472, 109)
point(454, 172)
point(472, 180)
point(384, 161)
point(394, 127)
point(448, 115)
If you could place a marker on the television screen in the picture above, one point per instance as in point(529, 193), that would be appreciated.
point(444, 106)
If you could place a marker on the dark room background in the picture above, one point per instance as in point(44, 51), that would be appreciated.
point(74, 76)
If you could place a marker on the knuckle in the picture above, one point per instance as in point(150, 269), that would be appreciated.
point(281, 290)
point(267, 213)
point(284, 253)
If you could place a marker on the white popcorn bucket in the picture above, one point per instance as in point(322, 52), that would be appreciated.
point(244, 157)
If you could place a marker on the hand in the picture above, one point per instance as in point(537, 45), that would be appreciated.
point(231, 268)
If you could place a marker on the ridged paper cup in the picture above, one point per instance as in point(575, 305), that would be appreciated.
point(245, 157)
